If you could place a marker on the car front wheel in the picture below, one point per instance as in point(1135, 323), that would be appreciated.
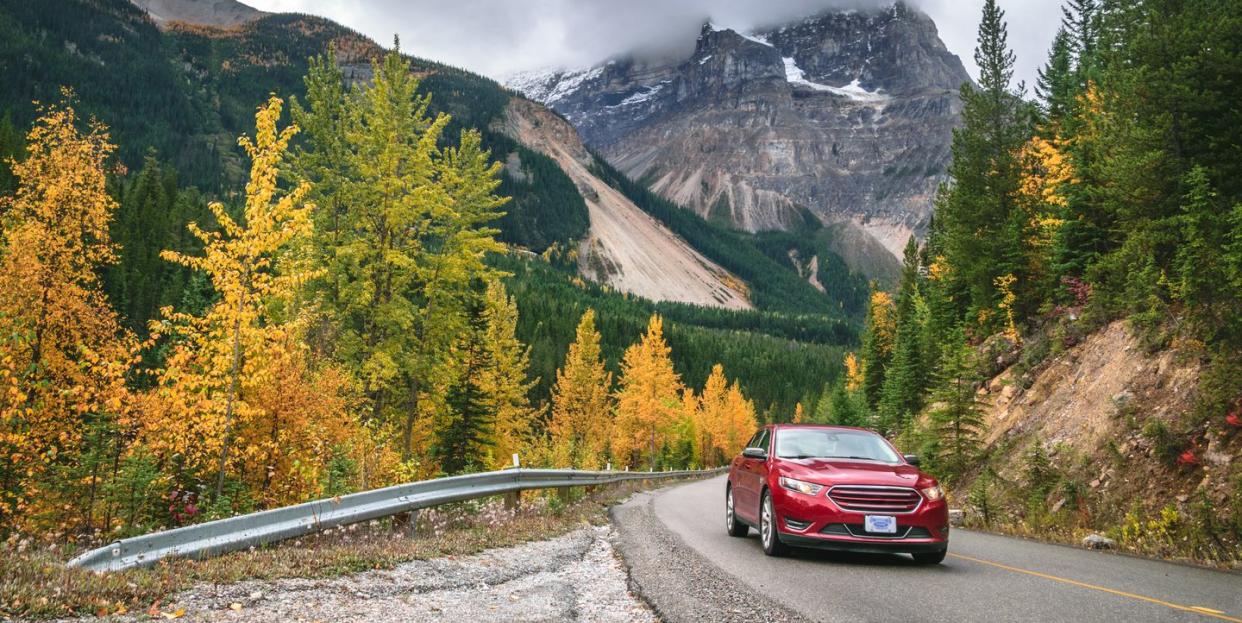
point(735, 527)
point(772, 544)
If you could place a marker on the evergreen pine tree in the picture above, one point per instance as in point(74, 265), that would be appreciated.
point(985, 234)
point(958, 422)
point(1201, 261)
point(11, 147)
point(1056, 81)
point(906, 376)
point(1080, 21)
point(463, 440)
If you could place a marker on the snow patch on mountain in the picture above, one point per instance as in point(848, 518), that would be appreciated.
point(853, 90)
point(551, 85)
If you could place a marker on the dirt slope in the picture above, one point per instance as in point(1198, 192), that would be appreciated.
point(625, 248)
point(1114, 421)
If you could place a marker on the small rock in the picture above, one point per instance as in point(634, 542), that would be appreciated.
point(1098, 541)
point(256, 595)
point(957, 517)
point(1183, 497)
point(1059, 505)
point(1008, 391)
point(1095, 483)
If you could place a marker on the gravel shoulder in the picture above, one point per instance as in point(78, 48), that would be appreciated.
point(575, 577)
point(678, 583)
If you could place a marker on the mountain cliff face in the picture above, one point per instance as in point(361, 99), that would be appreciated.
point(848, 114)
point(219, 13)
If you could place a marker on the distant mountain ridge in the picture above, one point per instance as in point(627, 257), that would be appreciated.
point(219, 13)
point(846, 114)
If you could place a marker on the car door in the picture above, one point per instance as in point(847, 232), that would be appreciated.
point(750, 479)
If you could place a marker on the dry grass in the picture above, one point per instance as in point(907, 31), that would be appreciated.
point(34, 583)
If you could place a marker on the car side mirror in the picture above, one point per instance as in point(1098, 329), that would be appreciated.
point(912, 459)
point(755, 453)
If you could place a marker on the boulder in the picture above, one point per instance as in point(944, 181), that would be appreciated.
point(1098, 541)
point(957, 517)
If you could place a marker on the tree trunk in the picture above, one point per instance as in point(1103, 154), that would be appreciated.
point(234, 380)
point(411, 415)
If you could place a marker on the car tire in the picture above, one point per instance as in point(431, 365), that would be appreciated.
point(768, 534)
point(735, 527)
point(930, 558)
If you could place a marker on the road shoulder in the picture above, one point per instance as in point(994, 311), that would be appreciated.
point(677, 582)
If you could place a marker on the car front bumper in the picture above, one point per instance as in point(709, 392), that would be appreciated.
point(817, 522)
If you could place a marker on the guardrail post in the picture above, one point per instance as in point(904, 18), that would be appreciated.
point(406, 522)
point(512, 500)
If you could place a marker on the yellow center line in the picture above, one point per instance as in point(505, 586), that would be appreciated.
point(1208, 612)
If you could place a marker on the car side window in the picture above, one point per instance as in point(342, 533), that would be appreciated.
point(761, 439)
point(754, 440)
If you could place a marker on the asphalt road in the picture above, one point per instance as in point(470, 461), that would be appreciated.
point(985, 577)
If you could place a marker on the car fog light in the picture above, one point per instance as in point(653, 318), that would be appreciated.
point(933, 493)
point(806, 488)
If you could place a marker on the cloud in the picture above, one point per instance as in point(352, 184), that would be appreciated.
point(498, 37)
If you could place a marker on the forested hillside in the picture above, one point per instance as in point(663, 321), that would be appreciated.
point(1114, 195)
point(347, 296)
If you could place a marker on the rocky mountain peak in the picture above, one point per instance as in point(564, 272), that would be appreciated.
point(845, 114)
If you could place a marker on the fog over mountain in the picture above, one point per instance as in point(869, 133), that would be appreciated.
point(497, 38)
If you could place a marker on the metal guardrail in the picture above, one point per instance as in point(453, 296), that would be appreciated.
point(234, 533)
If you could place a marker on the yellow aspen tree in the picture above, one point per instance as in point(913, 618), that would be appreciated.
point(1004, 284)
point(712, 417)
point(853, 373)
point(648, 399)
point(581, 421)
point(63, 353)
point(742, 422)
point(798, 414)
point(505, 380)
point(223, 356)
point(687, 440)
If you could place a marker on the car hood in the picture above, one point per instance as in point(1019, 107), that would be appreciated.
point(849, 472)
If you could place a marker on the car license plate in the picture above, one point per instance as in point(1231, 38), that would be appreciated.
point(883, 524)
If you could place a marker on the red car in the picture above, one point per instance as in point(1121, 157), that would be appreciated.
point(834, 487)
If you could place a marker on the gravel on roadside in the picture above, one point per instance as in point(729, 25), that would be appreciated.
point(676, 581)
point(575, 577)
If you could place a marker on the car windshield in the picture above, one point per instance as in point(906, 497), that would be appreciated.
point(811, 443)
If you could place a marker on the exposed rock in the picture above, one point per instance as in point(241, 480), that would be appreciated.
point(848, 114)
point(957, 517)
point(220, 13)
point(1098, 541)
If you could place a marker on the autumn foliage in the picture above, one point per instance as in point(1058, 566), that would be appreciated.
point(347, 332)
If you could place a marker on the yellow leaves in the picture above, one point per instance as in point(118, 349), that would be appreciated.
point(1004, 284)
point(63, 355)
point(853, 373)
point(648, 399)
point(580, 425)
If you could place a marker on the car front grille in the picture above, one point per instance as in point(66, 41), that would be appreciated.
point(865, 499)
point(857, 530)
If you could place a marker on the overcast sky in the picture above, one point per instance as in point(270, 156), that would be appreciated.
point(498, 37)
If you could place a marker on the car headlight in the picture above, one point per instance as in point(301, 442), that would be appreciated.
point(806, 488)
point(933, 493)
